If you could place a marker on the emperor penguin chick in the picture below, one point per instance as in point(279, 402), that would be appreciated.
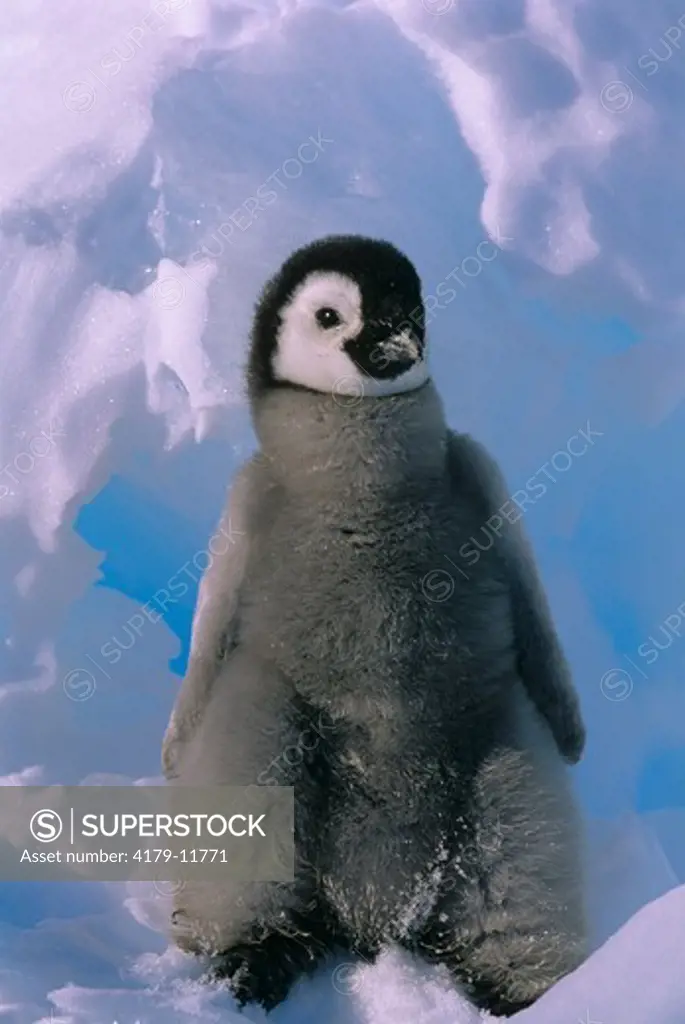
point(433, 809)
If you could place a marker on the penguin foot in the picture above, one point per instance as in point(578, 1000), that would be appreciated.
point(500, 1006)
point(264, 972)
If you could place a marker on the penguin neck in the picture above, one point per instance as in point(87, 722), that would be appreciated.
point(346, 445)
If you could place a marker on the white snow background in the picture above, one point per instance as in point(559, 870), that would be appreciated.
point(130, 140)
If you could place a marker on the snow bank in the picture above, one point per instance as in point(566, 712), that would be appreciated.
point(159, 160)
point(632, 979)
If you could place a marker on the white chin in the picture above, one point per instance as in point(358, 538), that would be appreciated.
point(335, 373)
point(361, 386)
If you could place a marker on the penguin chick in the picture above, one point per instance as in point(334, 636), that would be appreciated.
point(433, 809)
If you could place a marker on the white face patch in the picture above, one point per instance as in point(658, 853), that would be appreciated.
point(312, 355)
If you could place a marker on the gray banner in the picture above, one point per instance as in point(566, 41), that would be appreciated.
point(162, 834)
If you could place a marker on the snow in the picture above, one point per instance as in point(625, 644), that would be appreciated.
point(159, 160)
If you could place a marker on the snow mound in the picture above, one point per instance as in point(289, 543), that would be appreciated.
point(631, 979)
point(160, 158)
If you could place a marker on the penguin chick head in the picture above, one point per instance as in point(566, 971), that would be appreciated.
point(343, 315)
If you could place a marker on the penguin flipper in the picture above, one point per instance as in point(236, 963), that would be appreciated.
point(542, 664)
point(215, 621)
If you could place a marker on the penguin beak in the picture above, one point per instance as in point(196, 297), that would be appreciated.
point(387, 348)
point(395, 349)
point(400, 346)
point(396, 343)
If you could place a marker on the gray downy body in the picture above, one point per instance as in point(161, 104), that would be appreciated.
point(433, 808)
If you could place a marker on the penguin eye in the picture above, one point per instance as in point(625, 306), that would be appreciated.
point(327, 318)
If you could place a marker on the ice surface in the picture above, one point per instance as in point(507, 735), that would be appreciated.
point(531, 150)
